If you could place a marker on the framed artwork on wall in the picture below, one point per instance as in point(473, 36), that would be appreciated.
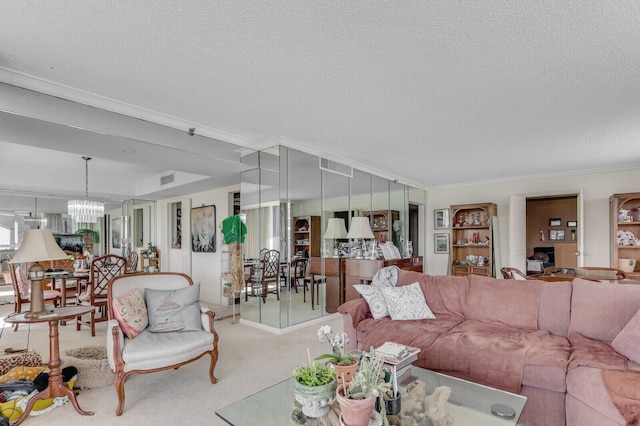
point(115, 233)
point(203, 229)
point(441, 219)
point(441, 243)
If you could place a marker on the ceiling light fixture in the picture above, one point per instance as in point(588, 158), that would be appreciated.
point(85, 211)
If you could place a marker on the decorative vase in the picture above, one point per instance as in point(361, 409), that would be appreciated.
point(315, 400)
point(346, 371)
point(355, 412)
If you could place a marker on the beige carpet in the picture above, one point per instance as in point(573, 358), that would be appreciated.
point(249, 360)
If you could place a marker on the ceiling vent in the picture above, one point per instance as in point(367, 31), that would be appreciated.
point(333, 167)
point(165, 180)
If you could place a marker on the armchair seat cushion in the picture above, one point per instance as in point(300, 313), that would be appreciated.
point(157, 350)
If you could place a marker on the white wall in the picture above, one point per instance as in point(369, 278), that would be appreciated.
point(596, 187)
point(204, 268)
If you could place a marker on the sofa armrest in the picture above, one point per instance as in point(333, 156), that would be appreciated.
point(357, 309)
point(115, 340)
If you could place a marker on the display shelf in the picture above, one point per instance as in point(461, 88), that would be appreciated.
point(306, 236)
point(625, 217)
point(472, 239)
point(150, 258)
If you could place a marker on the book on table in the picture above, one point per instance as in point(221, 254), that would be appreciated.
point(397, 354)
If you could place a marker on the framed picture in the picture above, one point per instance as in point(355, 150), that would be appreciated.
point(203, 229)
point(441, 219)
point(572, 223)
point(553, 234)
point(115, 233)
point(560, 235)
point(555, 222)
point(441, 243)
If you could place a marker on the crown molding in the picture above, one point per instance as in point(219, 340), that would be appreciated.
point(47, 87)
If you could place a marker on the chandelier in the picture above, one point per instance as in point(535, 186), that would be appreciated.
point(85, 211)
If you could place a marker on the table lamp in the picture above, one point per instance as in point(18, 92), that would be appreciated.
point(335, 230)
point(360, 230)
point(37, 245)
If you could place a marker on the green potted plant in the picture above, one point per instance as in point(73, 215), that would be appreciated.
point(358, 397)
point(152, 250)
point(345, 366)
point(314, 387)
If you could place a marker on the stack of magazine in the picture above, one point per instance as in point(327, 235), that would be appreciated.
point(398, 359)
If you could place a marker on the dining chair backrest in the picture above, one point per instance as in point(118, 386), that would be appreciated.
point(271, 265)
point(104, 268)
point(132, 262)
point(19, 279)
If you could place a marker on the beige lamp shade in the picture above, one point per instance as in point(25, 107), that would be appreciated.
point(360, 228)
point(37, 245)
point(335, 228)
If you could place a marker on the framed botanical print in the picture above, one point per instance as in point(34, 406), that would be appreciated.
point(203, 229)
point(441, 219)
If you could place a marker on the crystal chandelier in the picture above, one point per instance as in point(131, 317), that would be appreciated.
point(85, 211)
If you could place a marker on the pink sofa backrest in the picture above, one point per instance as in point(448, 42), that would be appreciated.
point(600, 310)
point(507, 302)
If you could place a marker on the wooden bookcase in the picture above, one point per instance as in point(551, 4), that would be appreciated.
point(150, 261)
point(306, 236)
point(382, 224)
point(631, 223)
point(472, 235)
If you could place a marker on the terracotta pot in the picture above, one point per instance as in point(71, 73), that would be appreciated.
point(348, 371)
point(355, 412)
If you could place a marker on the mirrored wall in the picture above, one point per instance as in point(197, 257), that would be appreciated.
point(291, 201)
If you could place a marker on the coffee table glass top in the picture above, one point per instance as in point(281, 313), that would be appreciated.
point(469, 403)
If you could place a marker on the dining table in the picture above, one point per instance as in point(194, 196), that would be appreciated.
point(61, 280)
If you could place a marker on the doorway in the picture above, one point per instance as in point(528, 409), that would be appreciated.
point(551, 233)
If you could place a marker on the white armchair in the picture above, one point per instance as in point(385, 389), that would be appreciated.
point(151, 352)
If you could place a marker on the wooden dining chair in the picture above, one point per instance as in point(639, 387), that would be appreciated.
point(132, 262)
point(267, 279)
point(513, 274)
point(103, 269)
point(22, 289)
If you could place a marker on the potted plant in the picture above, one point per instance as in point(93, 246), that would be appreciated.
point(358, 397)
point(152, 250)
point(345, 366)
point(314, 387)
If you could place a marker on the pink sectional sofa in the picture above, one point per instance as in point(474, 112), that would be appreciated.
point(513, 335)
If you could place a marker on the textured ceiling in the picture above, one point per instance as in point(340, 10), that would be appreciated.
point(433, 93)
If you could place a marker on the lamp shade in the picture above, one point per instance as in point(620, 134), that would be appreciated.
point(37, 245)
point(336, 228)
point(360, 228)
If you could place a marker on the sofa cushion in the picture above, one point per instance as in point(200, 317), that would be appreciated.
point(585, 385)
point(406, 302)
point(627, 342)
point(503, 302)
point(375, 300)
point(445, 294)
point(174, 310)
point(554, 313)
point(131, 313)
point(593, 304)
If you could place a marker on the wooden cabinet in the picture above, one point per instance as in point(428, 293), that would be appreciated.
point(361, 271)
point(472, 239)
point(382, 224)
point(150, 259)
point(625, 220)
point(342, 273)
point(306, 236)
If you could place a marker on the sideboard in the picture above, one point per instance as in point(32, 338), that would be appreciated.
point(342, 273)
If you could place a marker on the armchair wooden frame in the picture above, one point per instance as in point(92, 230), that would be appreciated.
point(158, 280)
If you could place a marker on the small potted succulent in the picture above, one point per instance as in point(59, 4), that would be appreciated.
point(345, 366)
point(314, 387)
point(358, 397)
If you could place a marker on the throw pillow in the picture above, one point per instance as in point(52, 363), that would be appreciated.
point(131, 313)
point(375, 300)
point(407, 302)
point(626, 342)
point(174, 310)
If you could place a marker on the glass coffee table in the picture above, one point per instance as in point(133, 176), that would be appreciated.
point(469, 403)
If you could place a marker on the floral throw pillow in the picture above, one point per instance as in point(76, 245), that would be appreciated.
point(131, 313)
point(407, 302)
point(375, 300)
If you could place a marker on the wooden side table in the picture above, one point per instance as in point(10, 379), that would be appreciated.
point(56, 387)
